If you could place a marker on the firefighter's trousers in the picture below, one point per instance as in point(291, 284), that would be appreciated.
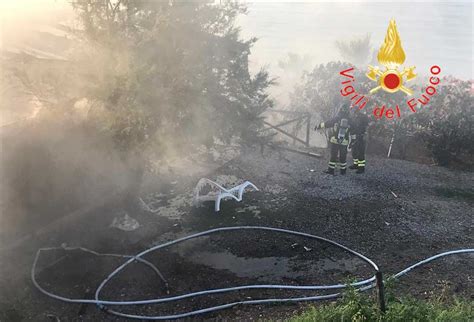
point(358, 151)
point(341, 151)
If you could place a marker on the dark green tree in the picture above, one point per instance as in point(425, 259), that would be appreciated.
point(446, 123)
point(169, 75)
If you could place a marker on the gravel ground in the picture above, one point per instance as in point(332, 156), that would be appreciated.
point(396, 213)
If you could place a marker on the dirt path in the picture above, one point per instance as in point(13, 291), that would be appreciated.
point(397, 213)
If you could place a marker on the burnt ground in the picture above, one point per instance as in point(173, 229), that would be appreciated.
point(397, 213)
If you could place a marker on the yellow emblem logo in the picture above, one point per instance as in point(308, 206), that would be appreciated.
point(391, 56)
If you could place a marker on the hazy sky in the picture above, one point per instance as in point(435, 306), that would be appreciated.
point(431, 32)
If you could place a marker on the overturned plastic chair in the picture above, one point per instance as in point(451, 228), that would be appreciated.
point(218, 192)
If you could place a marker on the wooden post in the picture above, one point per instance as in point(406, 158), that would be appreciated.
point(391, 143)
point(295, 132)
point(308, 130)
point(284, 132)
point(380, 291)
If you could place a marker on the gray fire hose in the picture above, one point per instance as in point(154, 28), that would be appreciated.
point(361, 285)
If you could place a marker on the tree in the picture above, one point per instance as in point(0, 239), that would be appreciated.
point(320, 92)
point(178, 69)
point(445, 124)
point(169, 76)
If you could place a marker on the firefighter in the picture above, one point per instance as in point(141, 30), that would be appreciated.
point(359, 124)
point(338, 139)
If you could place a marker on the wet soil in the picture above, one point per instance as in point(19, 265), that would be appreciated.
point(397, 213)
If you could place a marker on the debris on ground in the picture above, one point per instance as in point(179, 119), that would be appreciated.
point(125, 222)
point(352, 209)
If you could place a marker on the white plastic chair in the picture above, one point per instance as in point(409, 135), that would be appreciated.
point(222, 193)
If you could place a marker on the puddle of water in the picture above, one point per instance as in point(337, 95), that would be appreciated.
point(270, 267)
point(350, 264)
point(248, 267)
point(265, 267)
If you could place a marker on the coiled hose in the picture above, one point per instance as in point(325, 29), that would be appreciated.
point(361, 285)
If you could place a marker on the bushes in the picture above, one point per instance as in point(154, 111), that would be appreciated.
point(171, 75)
point(446, 125)
point(357, 307)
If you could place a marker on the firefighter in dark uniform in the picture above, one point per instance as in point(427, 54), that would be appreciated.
point(338, 139)
point(359, 124)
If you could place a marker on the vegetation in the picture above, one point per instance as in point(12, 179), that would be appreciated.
point(140, 81)
point(358, 307)
point(446, 123)
point(164, 78)
point(170, 73)
point(443, 126)
point(319, 90)
point(319, 93)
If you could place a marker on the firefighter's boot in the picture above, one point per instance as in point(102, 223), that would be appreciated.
point(361, 166)
point(329, 171)
point(355, 165)
point(343, 171)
